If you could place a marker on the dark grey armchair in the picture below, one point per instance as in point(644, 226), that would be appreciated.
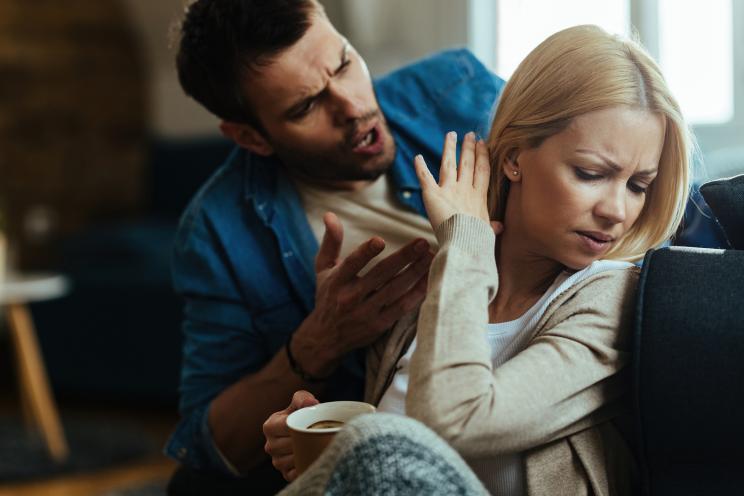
point(689, 361)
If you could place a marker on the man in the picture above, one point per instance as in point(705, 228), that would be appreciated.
point(278, 295)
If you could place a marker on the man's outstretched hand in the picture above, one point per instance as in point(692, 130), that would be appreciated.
point(352, 311)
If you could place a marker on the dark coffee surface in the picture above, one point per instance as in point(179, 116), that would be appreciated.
point(326, 424)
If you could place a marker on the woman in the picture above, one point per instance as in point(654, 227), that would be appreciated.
point(588, 164)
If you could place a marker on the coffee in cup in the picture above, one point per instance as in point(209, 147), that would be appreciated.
point(313, 428)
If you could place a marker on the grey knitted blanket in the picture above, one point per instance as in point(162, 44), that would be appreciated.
point(386, 454)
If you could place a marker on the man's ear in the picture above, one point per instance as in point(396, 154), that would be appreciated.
point(511, 166)
point(248, 137)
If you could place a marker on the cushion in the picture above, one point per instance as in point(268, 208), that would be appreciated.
point(725, 197)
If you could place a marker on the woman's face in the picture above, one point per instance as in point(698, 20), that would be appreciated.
point(580, 191)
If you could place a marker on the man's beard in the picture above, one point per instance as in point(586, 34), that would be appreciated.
point(340, 164)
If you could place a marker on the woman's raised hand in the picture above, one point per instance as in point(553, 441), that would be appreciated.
point(462, 189)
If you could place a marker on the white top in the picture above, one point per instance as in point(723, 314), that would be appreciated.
point(502, 475)
point(371, 211)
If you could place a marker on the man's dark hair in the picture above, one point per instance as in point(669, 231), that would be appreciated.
point(222, 41)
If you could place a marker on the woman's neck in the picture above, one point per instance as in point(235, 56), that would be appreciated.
point(523, 278)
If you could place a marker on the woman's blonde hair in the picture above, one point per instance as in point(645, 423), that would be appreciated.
point(579, 70)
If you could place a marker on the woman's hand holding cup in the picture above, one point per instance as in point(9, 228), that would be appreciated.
point(278, 441)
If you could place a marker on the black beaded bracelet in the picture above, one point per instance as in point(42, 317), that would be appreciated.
point(296, 366)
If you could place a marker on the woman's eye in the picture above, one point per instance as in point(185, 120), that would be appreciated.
point(637, 188)
point(586, 176)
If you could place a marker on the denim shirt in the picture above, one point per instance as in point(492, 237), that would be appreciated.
point(244, 252)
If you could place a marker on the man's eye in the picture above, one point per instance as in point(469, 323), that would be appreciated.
point(586, 176)
point(304, 109)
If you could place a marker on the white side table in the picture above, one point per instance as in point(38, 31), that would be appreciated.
point(40, 409)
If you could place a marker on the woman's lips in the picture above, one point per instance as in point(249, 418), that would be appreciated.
point(595, 242)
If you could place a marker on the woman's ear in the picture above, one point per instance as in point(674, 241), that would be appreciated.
point(511, 166)
point(248, 137)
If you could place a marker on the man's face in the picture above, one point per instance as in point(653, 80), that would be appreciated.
point(319, 112)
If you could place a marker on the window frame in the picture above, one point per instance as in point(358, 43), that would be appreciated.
point(644, 18)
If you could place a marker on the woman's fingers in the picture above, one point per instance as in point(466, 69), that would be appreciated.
point(482, 173)
point(423, 173)
point(290, 475)
point(448, 167)
point(467, 160)
point(283, 463)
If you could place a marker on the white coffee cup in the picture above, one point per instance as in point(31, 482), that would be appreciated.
point(308, 443)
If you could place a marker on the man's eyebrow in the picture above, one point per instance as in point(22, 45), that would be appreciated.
point(308, 95)
point(613, 165)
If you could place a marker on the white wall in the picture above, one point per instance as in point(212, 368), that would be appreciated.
point(388, 33)
point(172, 113)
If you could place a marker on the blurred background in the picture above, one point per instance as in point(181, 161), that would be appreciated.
point(100, 151)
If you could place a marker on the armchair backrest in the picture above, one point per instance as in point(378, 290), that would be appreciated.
point(689, 372)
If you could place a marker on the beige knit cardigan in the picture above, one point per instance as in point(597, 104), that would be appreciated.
point(560, 401)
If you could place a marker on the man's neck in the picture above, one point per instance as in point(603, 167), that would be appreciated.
point(333, 185)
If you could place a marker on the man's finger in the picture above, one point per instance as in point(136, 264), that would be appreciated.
point(391, 265)
point(330, 247)
point(402, 283)
point(359, 258)
point(407, 303)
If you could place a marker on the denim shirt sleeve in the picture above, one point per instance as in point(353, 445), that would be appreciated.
point(220, 344)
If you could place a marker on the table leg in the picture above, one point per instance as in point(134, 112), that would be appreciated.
point(34, 382)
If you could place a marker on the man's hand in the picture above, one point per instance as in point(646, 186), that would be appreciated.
point(278, 443)
point(352, 311)
point(461, 189)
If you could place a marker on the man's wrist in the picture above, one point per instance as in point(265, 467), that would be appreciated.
point(298, 369)
point(312, 356)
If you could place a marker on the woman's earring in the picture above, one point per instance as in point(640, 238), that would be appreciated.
point(515, 172)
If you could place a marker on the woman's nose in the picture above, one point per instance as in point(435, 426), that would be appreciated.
point(612, 205)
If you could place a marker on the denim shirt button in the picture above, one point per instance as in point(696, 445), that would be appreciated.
point(182, 453)
point(407, 195)
point(287, 254)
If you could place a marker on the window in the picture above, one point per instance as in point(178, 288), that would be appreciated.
point(699, 46)
point(520, 29)
point(696, 55)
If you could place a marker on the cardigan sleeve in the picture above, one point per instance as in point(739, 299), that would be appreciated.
point(567, 373)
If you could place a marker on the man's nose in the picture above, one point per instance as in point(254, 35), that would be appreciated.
point(612, 205)
point(346, 106)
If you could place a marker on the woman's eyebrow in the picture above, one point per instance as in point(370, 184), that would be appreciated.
point(647, 172)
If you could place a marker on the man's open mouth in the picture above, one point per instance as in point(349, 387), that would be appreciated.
point(370, 142)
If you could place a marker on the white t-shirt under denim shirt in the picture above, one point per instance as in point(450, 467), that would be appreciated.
point(504, 474)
